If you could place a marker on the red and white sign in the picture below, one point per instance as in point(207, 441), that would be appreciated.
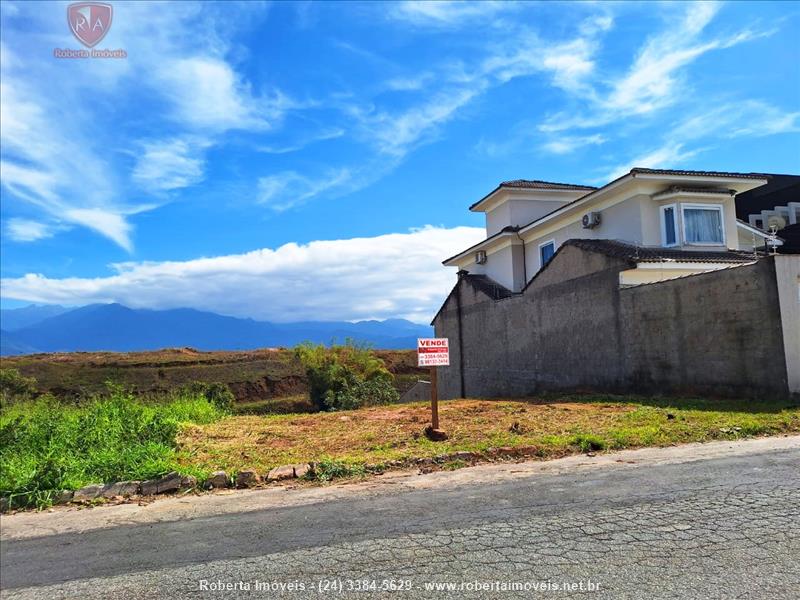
point(433, 352)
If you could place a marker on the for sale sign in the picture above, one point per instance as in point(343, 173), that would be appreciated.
point(433, 352)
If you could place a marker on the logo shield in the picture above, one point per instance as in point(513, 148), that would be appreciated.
point(89, 21)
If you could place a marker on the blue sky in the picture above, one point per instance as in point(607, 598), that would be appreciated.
point(315, 160)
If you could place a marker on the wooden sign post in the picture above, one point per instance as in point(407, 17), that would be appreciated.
point(434, 353)
point(434, 399)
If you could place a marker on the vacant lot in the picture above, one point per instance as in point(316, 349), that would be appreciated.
point(259, 379)
point(543, 427)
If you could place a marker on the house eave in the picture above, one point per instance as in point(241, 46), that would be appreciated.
point(487, 244)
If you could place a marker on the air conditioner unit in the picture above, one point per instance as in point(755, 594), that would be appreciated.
point(480, 257)
point(590, 220)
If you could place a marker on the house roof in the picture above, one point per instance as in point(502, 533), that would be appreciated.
point(637, 254)
point(535, 184)
point(504, 231)
point(488, 286)
point(544, 185)
point(682, 189)
point(680, 172)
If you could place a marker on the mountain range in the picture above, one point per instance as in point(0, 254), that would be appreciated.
point(114, 327)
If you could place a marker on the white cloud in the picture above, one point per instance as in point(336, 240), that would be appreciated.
point(25, 230)
point(748, 118)
point(655, 78)
point(170, 164)
point(390, 275)
point(650, 83)
point(566, 144)
point(396, 134)
point(330, 133)
point(671, 154)
point(62, 154)
point(410, 83)
point(448, 13)
point(112, 225)
point(208, 94)
point(50, 164)
point(288, 189)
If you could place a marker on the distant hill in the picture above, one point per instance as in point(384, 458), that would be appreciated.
point(16, 318)
point(115, 327)
point(10, 345)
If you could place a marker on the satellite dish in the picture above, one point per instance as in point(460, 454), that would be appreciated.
point(776, 222)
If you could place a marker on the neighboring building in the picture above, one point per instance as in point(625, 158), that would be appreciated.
point(570, 277)
point(776, 204)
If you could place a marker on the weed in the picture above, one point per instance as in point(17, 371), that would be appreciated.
point(588, 443)
point(328, 469)
point(46, 446)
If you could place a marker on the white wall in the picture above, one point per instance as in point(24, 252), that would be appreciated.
point(787, 274)
point(506, 267)
point(517, 209)
point(622, 221)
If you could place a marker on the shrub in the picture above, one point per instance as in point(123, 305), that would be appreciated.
point(345, 376)
point(14, 386)
point(219, 394)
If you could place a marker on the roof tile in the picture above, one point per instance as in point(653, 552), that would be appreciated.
point(632, 252)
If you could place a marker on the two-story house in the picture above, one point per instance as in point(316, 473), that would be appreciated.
point(689, 215)
point(649, 283)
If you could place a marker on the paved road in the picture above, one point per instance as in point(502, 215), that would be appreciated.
point(716, 528)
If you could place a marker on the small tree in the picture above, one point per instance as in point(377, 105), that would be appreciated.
point(217, 393)
point(345, 377)
point(15, 386)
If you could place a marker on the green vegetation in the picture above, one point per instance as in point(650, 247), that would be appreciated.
point(260, 380)
point(345, 377)
point(219, 394)
point(46, 446)
point(328, 469)
point(14, 386)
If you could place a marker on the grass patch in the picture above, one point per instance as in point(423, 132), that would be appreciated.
point(547, 427)
point(328, 469)
point(47, 446)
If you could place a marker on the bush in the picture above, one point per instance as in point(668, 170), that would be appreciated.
point(46, 447)
point(345, 377)
point(15, 387)
point(219, 394)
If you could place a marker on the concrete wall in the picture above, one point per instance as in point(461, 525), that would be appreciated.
point(573, 327)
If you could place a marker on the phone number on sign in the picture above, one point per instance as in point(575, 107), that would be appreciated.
point(363, 585)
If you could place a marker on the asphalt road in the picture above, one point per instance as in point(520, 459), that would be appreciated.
point(716, 528)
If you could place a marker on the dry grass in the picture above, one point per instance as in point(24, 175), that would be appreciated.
point(551, 426)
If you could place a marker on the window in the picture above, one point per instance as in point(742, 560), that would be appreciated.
point(702, 224)
point(546, 252)
point(669, 226)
